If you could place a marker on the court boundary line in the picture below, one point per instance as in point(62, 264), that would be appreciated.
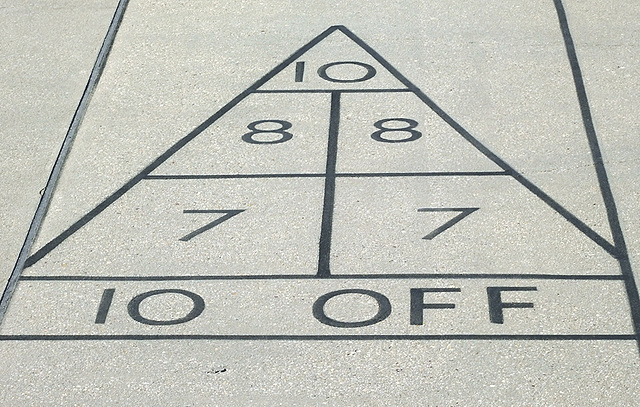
point(54, 176)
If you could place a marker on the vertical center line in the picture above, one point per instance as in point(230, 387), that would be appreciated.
point(324, 260)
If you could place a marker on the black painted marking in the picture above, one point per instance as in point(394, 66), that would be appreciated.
point(233, 176)
point(324, 255)
point(409, 128)
point(284, 135)
point(105, 304)
point(72, 131)
point(416, 316)
point(331, 90)
point(338, 175)
point(384, 308)
point(370, 72)
point(464, 212)
point(452, 337)
point(578, 277)
point(134, 307)
point(496, 305)
point(230, 213)
point(425, 174)
point(601, 172)
point(299, 71)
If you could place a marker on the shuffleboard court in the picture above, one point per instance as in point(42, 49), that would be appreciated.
point(339, 199)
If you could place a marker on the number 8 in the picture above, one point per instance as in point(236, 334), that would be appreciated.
point(284, 125)
point(411, 125)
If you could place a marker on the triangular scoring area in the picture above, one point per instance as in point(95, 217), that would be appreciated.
point(383, 131)
point(336, 62)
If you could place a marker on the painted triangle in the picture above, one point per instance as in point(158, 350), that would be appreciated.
point(191, 159)
point(336, 62)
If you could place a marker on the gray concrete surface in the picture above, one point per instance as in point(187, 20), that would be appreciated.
point(241, 320)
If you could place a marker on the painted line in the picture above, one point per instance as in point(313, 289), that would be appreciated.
point(601, 172)
point(579, 277)
point(597, 337)
point(331, 90)
point(72, 131)
point(338, 175)
point(324, 254)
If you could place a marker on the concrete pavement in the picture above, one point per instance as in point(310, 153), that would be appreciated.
point(329, 204)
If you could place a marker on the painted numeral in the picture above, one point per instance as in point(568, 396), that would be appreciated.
point(283, 135)
point(409, 128)
point(133, 307)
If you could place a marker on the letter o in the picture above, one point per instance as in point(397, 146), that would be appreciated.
point(384, 308)
point(371, 72)
point(134, 307)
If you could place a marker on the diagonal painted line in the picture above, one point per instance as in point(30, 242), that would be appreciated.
point(601, 172)
point(580, 225)
point(72, 131)
point(228, 215)
point(464, 212)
